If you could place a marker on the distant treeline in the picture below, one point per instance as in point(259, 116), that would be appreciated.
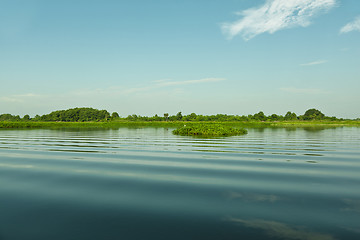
point(91, 114)
point(70, 115)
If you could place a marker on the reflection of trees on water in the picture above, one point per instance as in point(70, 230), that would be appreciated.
point(290, 129)
point(309, 128)
point(260, 129)
point(315, 128)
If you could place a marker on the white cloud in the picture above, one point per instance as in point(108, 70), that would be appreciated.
point(314, 63)
point(187, 82)
point(351, 26)
point(19, 97)
point(275, 15)
point(10, 99)
point(157, 84)
point(168, 83)
point(303, 90)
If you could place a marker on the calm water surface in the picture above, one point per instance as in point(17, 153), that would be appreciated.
point(149, 184)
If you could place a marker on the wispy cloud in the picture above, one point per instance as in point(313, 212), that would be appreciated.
point(303, 90)
point(19, 97)
point(187, 82)
point(157, 84)
point(10, 99)
point(351, 26)
point(314, 63)
point(168, 83)
point(275, 15)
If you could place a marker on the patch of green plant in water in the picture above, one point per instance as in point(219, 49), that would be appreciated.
point(209, 130)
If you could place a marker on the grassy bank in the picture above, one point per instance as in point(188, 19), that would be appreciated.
point(105, 124)
point(171, 124)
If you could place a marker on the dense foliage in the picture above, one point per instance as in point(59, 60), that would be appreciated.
point(313, 114)
point(9, 117)
point(76, 115)
point(209, 130)
point(260, 116)
point(94, 115)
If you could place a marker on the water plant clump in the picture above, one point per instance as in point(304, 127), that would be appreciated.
point(209, 130)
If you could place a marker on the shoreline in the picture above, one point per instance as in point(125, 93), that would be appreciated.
point(174, 124)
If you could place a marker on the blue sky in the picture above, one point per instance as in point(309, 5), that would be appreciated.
point(150, 57)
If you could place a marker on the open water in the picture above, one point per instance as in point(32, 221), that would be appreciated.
point(149, 184)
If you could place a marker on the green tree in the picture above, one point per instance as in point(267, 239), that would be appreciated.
point(313, 114)
point(133, 117)
point(290, 116)
point(274, 117)
point(259, 116)
point(179, 116)
point(166, 116)
point(36, 118)
point(191, 117)
point(26, 117)
point(156, 118)
point(9, 117)
point(77, 115)
point(114, 115)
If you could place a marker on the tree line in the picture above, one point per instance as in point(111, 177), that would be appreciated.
point(311, 114)
point(91, 114)
point(70, 115)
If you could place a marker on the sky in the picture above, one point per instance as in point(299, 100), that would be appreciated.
point(145, 57)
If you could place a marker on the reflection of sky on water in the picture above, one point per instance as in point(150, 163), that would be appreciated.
point(353, 205)
point(304, 178)
point(253, 197)
point(4, 165)
point(283, 231)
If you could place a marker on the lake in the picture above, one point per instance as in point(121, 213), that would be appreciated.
point(146, 183)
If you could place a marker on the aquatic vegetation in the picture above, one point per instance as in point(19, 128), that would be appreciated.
point(209, 130)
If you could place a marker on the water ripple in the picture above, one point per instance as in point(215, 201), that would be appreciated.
point(271, 182)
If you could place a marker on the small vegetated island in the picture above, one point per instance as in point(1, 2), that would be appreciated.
point(209, 130)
